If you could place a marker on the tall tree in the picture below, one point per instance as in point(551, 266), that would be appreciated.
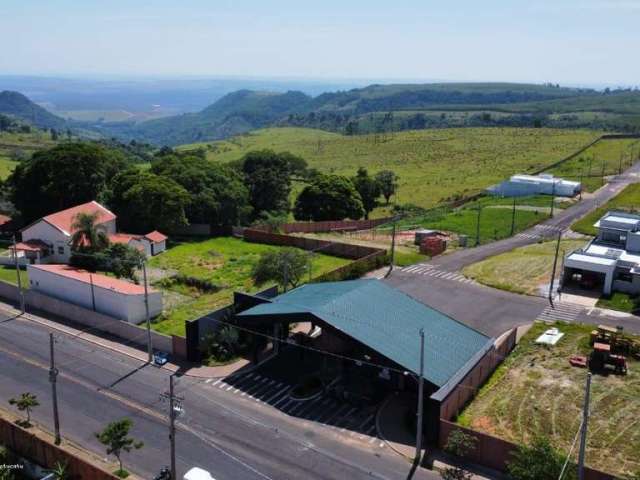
point(267, 175)
point(62, 177)
point(538, 461)
point(329, 197)
point(87, 233)
point(146, 202)
point(217, 193)
point(388, 182)
point(369, 190)
point(115, 437)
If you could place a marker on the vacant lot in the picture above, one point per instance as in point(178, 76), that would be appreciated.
point(606, 157)
point(627, 200)
point(522, 270)
point(537, 392)
point(225, 262)
point(433, 165)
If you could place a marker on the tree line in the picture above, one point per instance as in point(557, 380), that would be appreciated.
point(181, 188)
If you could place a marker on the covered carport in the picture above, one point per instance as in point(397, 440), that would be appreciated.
point(600, 270)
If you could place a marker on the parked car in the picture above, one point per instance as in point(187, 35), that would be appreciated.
point(160, 358)
point(197, 474)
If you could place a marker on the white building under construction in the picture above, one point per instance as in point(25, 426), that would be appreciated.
point(545, 184)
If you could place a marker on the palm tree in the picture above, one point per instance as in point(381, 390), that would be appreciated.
point(86, 232)
point(60, 471)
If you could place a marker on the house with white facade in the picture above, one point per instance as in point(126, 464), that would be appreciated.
point(543, 184)
point(107, 295)
point(48, 240)
point(610, 262)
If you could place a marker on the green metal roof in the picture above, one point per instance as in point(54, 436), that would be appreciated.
point(386, 320)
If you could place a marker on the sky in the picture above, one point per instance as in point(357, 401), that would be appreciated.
point(579, 42)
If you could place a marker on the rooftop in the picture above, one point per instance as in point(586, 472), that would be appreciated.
point(387, 321)
point(156, 236)
point(98, 280)
point(64, 219)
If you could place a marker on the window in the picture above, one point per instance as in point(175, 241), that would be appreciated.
point(60, 250)
point(625, 276)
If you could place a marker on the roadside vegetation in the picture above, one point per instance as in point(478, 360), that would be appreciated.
point(422, 159)
point(627, 200)
point(536, 392)
point(522, 270)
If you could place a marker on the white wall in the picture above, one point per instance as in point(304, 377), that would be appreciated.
point(49, 234)
point(125, 307)
point(159, 247)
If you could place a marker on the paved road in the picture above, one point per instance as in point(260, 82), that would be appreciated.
point(233, 436)
point(548, 229)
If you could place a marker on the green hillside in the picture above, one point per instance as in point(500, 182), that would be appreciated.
point(433, 165)
point(16, 146)
point(18, 106)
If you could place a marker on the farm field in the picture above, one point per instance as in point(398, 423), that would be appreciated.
point(537, 392)
point(522, 270)
point(612, 154)
point(627, 200)
point(433, 165)
point(225, 262)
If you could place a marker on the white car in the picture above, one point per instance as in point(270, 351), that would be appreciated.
point(197, 474)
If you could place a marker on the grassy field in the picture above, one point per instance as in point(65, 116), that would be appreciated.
point(522, 270)
point(623, 302)
point(433, 165)
point(14, 146)
point(627, 200)
point(613, 155)
point(8, 274)
point(536, 392)
point(225, 262)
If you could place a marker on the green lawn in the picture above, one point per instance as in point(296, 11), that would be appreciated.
point(495, 223)
point(6, 166)
point(226, 262)
point(611, 154)
point(523, 269)
point(8, 274)
point(622, 302)
point(434, 165)
point(537, 392)
point(628, 200)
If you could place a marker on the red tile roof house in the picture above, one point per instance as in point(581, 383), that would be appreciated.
point(103, 294)
point(48, 240)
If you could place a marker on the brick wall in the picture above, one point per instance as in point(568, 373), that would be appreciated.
point(32, 446)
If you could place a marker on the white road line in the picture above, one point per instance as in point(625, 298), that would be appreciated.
point(216, 382)
point(335, 414)
point(277, 395)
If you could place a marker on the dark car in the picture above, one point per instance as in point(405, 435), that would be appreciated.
point(160, 358)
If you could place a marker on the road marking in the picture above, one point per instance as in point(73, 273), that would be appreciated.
point(280, 392)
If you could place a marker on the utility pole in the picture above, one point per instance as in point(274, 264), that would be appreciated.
point(581, 187)
point(553, 196)
point(602, 173)
point(93, 293)
point(286, 272)
point(172, 434)
point(20, 291)
point(146, 312)
point(620, 165)
point(553, 272)
point(478, 226)
point(420, 392)
point(513, 217)
point(583, 429)
point(53, 373)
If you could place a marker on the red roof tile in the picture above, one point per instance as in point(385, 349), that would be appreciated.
point(123, 238)
point(98, 280)
point(33, 245)
point(156, 236)
point(65, 218)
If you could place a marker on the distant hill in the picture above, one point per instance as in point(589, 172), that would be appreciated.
point(15, 104)
point(384, 108)
point(233, 114)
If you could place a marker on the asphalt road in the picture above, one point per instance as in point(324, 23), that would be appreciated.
point(232, 437)
point(547, 229)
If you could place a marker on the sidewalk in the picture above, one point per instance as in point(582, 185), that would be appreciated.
point(394, 431)
point(183, 367)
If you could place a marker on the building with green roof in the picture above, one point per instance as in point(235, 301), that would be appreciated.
point(376, 328)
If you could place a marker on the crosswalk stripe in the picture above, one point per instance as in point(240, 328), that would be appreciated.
point(277, 395)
